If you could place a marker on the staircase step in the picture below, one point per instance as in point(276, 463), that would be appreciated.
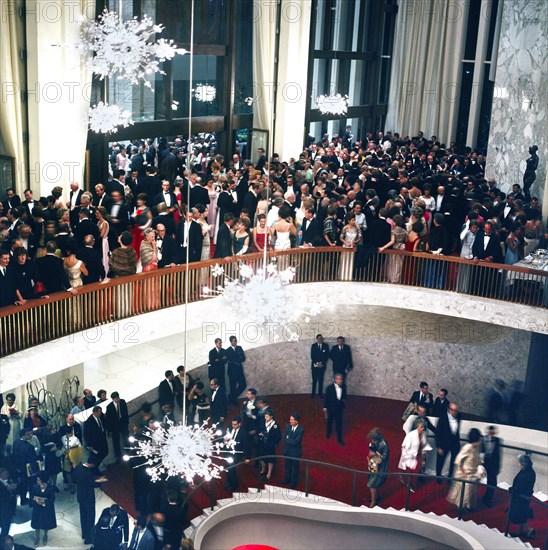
point(208, 511)
point(197, 520)
point(273, 488)
point(224, 501)
point(253, 490)
point(189, 532)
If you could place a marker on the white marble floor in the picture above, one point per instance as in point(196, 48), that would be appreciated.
point(67, 534)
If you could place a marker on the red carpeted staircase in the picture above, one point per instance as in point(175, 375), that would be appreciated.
point(362, 414)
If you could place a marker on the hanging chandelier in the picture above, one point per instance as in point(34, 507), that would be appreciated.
point(205, 93)
point(125, 49)
point(105, 118)
point(332, 104)
point(264, 295)
point(178, 450)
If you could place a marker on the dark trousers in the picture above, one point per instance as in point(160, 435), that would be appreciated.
point(317, 380)
point(337, 416)
point(232, 476)
point(5, 523)
point(87, 518)
point(440, 459)
point(237, 381)
point(491, 480)
point(292, 468)
point(119, 440)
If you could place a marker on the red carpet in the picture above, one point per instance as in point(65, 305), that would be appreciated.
point(363, 414)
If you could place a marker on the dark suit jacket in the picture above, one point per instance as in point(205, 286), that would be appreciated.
point(218, 405)
point(122, 217)
point(167, 221)
point(330, 401)
point(492, 461)
point(165, 394)
point(74, 198)
point(378, 232)
point(225, 203)
point(63, 430)
point(151, 185)
point(493, 247)
point(439, 407)
point(444, 438)
point(195, 242)
point(235, 356)
point(159, 198)
point(293, 440)
point(311, 232)
point(87, 227)
point(420, 399)
point(52, 274)
point(94, 265)
point(7, 288)
point(114, 185)
point(146, 542)
point(169, 251)
point(106, 202)
point(94, 436)
point(318, 355)
point(120, 525)
point(199, 195)
point(223, 249)
point(242, 448)
point(250, 202)
point(115, 423)
point(342, 359)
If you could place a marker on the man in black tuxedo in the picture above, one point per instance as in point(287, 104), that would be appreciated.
point(423, 397)
point(217, 362)
point(441, 403)
point(150, 184)
point(223, 248)
point(167, 247)
point(448, 439)
point(310, 229)
point(11, 201)
point(218, 402)
point(167, 197)
point(118, 521)
point(101, 198)
point(190, 238)
point(319, 354)
point(117, 183)
point(334, 405)
point(241, 451)
point(491, 461)
point(251, 199)
point(8, 283)
point(86, 227)
point(199, 193)
point(92, 260)
point(166, 390)
point(75, 197)
point(235, 370)
point(119, 215)
point(28, 204)
point(293, 448)
point(486, 245)
point(95, 436)
point(341, 355)
point(117, 423)
point(51, 271)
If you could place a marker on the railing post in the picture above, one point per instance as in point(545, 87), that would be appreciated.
point(306, 478)
point(507, 527)
point(407, 493)
point(212, 500)
point(355, 489)
point(461, 501)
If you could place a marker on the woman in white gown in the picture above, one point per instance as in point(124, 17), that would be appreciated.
point(283, 229)
point(12, 411)
point(104, 227)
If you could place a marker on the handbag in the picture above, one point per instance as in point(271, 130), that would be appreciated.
point(373, 463)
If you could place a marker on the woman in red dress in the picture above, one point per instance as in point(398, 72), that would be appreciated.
point(142, 217)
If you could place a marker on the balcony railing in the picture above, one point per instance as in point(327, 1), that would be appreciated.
point(351, 485)
point(62, 314)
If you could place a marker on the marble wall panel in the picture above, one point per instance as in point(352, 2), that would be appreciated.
point(519, 114)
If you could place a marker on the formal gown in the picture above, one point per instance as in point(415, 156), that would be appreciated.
point(394, 262)
point(212, 212)
point(467, 463)
point(104, 245)
point(283, 240)
point(75, 274)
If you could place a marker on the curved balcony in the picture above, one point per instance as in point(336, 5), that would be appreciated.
point(40, 321)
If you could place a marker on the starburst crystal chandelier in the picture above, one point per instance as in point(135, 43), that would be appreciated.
point(178, 450)
point(105, 118)
point(332, 104)
point(125, 49)
point(205, 93)
point(264, 294)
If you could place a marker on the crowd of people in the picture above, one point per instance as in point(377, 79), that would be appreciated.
point(163, 207)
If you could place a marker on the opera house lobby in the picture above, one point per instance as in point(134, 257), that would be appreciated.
point(273, 275)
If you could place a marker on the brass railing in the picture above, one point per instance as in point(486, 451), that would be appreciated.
point(62, 314)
